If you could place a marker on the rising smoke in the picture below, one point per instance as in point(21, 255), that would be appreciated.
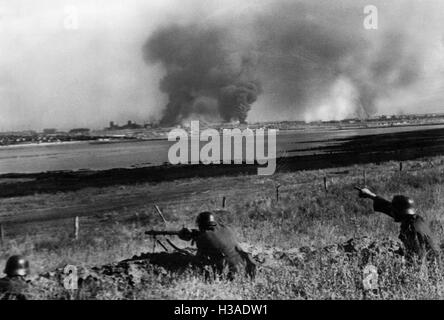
point(300, 55)
point(198, 64)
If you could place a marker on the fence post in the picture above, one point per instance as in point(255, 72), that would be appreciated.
point(137, 220)
point(325, 184)
point(400, 166)
point(2, 234)
point(365, 178)
point(277, 192)
point(76, 227)
point(224, 201)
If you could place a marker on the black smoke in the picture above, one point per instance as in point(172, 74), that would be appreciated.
point(294, 52)
point(199, 64)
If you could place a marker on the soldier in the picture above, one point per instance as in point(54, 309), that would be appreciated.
point(415, 233)
point(12, 286)
point(217, 246)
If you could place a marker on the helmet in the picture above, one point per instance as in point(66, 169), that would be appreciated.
point(16, 266)
point(205, 220)
point(403, 205)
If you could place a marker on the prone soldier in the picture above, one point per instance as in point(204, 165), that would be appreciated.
point(415, 232)
point(14, 285)
point(217, 246)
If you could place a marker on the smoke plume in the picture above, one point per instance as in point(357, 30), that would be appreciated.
point(304, 57)
point(198, 64)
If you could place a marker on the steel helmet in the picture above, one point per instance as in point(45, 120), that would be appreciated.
point(17, 266)
point(403, 205)
point(205, 220)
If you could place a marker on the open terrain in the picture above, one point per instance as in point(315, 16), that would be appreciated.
point(325, 151)
point(279, 233)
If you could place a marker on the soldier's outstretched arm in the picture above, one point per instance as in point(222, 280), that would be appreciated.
point(365, 193)
point(379, 204)
point(382, 205)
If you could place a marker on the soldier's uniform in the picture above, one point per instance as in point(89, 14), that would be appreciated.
point(13, 288)
point(14, 285)
point(415, 233)
point(217, 246)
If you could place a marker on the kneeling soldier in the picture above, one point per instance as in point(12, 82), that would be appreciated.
point(217, 246)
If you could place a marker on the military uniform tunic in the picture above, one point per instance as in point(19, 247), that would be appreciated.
point(218, 246)
point(13, 288)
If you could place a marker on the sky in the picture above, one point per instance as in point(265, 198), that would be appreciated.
point(79, 63)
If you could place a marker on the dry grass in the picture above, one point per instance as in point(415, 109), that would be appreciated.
point(305, 215)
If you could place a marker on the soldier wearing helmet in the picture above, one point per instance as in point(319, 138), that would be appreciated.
point(415, 233)
point(217, 246)
point(12, 286)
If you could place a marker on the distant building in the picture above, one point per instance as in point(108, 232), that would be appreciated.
point(19, 133)
point(148, 125)
point(49, 131)
point(129, 125)
point(79, 131)
point(112, 126)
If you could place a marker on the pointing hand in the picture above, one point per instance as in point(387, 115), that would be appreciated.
point(365, 193)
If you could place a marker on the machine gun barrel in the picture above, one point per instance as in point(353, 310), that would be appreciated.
point(162, 232)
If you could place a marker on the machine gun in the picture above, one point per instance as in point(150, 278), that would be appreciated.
point(155, 233)
point(190, 234)
point(162, 232)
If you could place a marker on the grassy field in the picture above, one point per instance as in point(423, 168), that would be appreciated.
point(306, 216)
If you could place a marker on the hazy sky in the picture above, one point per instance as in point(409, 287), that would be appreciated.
point(53, 76)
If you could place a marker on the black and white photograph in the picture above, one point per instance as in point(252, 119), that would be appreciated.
point(221, 150)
